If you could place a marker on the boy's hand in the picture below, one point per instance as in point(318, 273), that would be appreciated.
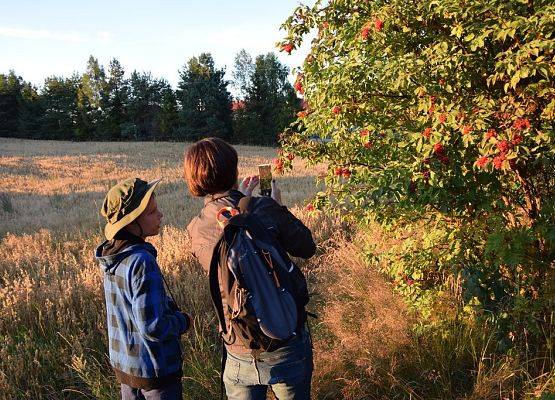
point(248, 184)
point(175, 309)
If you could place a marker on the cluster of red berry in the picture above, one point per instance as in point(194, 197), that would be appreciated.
point(365, 31)
point(504, 146)
point(278, 165)
point(344, 172)
point(299, 84)
point(288, 47)
point(364, 135)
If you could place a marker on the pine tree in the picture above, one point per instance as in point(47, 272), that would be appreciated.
point(117, 97)
point(91, 99)
point(10, 98)
point(144, 106)
point(204, 99)
point(30, 112)
point(61, 111)
point(169, 114)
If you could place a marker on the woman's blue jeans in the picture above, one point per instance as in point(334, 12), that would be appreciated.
point(287, 370)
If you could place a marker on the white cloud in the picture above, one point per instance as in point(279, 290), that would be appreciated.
point(104, 36)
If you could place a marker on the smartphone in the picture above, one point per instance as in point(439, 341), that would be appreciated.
point(265, 175)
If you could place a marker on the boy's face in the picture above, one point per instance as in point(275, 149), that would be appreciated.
point(150, 218)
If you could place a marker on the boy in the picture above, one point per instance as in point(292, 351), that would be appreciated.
point(144, 324)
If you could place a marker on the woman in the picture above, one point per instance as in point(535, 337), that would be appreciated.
point(210, 168)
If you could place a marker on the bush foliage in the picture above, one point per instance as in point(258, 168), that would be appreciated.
point(436, 119)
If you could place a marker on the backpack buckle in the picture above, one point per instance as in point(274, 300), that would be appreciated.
point(227, 213)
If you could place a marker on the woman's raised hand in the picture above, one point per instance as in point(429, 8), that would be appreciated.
point(248, 184)
point(276, 192)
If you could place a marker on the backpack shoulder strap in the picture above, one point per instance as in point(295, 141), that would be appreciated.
point(214, 284)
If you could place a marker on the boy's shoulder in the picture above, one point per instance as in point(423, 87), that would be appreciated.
point(141, 260)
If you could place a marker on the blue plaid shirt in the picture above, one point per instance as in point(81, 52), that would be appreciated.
point(143, 329)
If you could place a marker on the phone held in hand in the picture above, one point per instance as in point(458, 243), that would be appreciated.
point(265, 175)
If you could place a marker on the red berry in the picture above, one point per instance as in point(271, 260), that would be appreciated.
point(521, 124)
point(427, 133)
point(378, 24)
point(336, 110)
point(338, 171)
point(442, 118)
point(490, 133)
point(278, 165)
point(368, 144)
point(288, 47)
point(517, 139)
point(346, 173)
point(466, 129)
point(364, 32)
point(290, 157)
point(482, 162)
point(302, 114)
point(309, 207)
point(364, 133)
point(498, 161)
point(504, 146)
point(438, 148)
point(299, 84)
point(325, 25)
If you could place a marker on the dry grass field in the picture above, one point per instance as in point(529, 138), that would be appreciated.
point(60, 185)
point(52, 328)
point(53, 340)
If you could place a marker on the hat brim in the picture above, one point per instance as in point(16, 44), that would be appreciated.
point(110, 230)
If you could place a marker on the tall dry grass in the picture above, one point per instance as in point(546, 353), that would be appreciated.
point(52, 328)
point(52, 318)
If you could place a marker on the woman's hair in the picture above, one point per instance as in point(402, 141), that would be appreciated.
point(210, 166)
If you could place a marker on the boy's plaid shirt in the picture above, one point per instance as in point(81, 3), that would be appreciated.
point(143, 329)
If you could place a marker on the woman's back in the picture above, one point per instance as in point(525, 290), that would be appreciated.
point(291, 234)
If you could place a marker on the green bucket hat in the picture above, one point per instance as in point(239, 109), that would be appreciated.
point(124, 203)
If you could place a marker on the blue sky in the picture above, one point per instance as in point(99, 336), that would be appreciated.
point(44, 38)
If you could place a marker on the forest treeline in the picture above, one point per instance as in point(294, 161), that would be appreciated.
point(104, 104)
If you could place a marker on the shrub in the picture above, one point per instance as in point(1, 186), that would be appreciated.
point(439, 125)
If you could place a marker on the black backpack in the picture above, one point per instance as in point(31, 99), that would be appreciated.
point(254, 283)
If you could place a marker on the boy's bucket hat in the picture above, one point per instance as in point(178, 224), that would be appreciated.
point(125, 202)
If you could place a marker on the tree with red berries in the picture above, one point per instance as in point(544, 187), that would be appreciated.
point(457, 102)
